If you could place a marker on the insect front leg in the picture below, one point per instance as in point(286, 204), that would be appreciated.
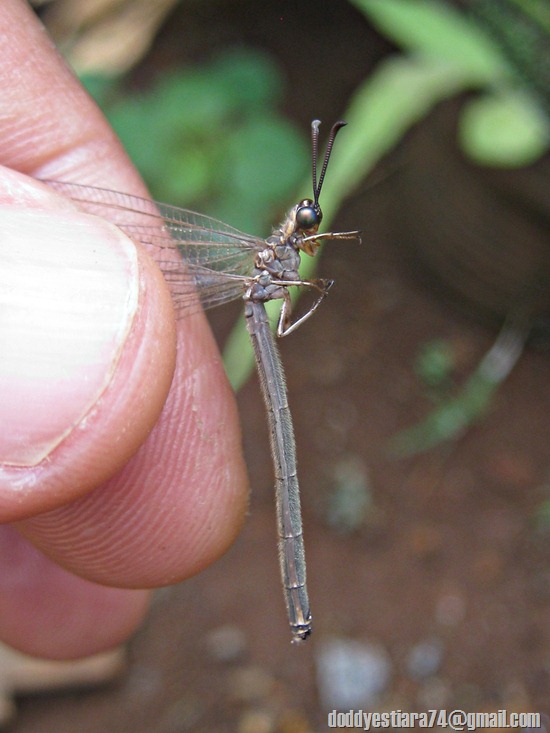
point(285, 324)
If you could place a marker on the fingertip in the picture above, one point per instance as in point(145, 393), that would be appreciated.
point(90, 353)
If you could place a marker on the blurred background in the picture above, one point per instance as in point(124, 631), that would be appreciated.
point(419, 390)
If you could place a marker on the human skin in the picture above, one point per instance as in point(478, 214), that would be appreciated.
point(129, 473)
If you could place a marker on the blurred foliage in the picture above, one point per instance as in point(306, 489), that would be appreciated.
point(504, 129)
point(521, 29)
point(210, 138)
point(456, 410)
point(434, 366)
point(104, 36)
point(505, 124)
point(444, 53)
point(453, 413)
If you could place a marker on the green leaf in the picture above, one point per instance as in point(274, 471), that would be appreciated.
point(434, 364)
point(433, 28)
point(504, 130)
point(100, 86)
point(264, 159)
point(449, 420)
point(238, 357)
point(249, 77)
point(457, 413)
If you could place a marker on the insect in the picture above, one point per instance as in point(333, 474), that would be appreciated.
point(207, 262)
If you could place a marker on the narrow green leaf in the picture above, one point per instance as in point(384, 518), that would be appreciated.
point(436, 29)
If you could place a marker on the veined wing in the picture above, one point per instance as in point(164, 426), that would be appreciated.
point(190, 284)
point(198, 255)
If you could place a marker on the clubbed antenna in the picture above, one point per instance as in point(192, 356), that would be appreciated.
point(315, 147)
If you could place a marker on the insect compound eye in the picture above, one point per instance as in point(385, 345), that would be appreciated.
point(307, 216)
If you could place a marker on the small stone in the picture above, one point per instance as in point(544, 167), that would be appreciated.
point(424, 659)
point(226, 643)
point(351, 674)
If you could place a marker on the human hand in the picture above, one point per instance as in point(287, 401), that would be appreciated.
point(113, 476)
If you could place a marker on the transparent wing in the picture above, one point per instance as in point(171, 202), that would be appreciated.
point(199, 256)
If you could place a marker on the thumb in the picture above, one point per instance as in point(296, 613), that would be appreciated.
point(86, 360)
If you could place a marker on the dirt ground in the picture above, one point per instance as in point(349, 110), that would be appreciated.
point(448, 556)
